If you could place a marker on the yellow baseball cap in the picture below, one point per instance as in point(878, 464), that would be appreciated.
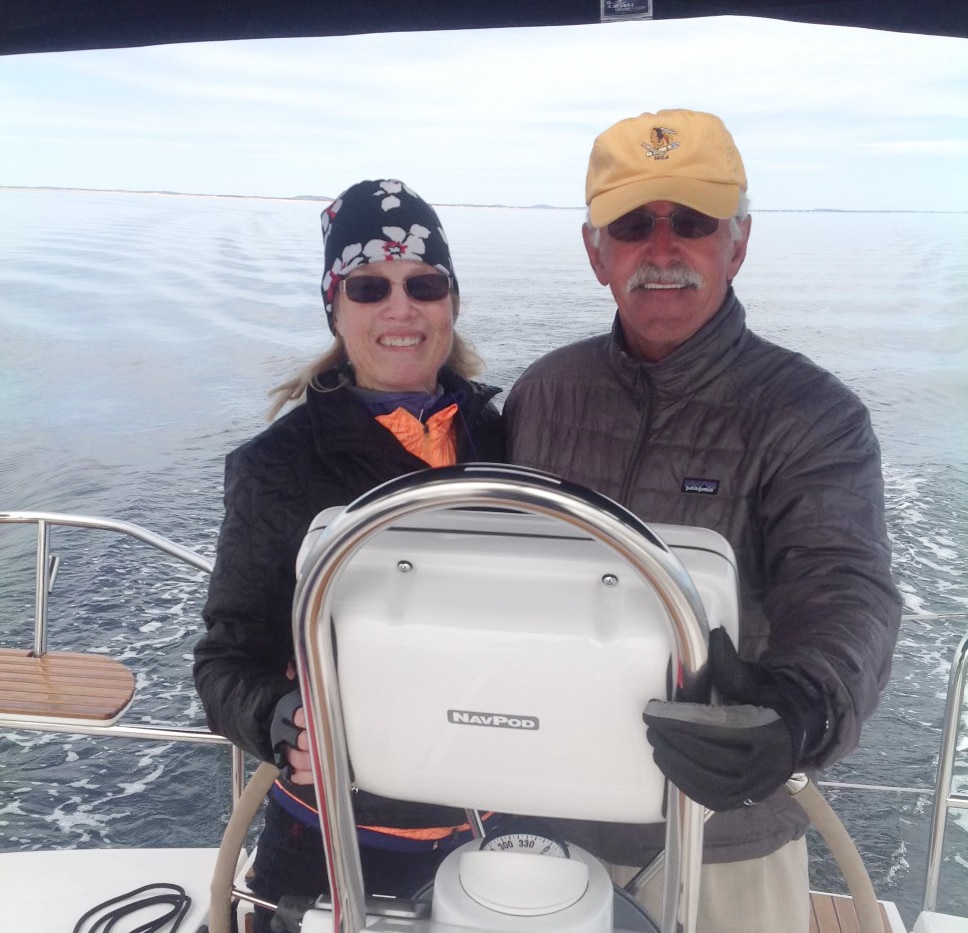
point(683, 156)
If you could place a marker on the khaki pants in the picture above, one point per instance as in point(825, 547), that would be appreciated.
point(762, 895)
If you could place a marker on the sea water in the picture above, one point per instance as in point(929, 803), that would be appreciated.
point(140, 334)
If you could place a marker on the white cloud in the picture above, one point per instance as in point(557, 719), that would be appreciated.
point(495, 116)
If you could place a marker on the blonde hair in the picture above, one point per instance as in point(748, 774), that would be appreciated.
point(463, 360)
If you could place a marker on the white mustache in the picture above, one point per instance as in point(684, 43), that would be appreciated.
point(678, 275)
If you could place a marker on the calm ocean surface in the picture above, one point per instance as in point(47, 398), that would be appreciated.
point(140, 334)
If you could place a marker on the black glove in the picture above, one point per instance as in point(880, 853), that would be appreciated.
point(282, 732)
point(724, 756)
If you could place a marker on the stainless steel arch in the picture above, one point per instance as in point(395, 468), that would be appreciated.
point(490, 486)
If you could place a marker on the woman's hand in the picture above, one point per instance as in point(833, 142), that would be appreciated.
point(298, 756)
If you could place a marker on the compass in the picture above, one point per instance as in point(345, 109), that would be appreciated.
point(521, 868)
point(526, 837)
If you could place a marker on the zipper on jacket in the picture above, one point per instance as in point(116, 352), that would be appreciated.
point(426, 439)
point(634, 464)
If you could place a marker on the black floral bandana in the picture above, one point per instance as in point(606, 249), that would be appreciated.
point(379, 221)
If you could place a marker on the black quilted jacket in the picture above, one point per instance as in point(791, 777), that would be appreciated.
point(326, 452)
point(734, 433)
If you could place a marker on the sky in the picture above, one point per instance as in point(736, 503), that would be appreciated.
point(825, 117)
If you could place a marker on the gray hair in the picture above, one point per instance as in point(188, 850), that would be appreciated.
point(735, 222)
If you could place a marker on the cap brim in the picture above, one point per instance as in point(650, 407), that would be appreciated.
point(712, 198)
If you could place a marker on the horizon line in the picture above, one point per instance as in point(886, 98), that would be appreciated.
point(523, 207)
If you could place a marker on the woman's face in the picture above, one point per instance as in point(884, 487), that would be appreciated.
point(396, 344)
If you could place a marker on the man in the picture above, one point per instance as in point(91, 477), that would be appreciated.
point(683, 415)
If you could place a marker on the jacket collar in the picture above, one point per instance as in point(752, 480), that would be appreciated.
point(341, 421)
point(700, 360)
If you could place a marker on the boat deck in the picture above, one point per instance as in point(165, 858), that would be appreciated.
point(48, 891)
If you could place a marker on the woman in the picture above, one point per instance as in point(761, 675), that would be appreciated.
point(391, 396)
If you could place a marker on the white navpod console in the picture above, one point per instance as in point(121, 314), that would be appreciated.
point(480, 650)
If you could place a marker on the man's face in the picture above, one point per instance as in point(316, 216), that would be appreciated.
point(666, 286)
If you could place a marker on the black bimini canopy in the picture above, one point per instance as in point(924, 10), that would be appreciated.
point(61, 25)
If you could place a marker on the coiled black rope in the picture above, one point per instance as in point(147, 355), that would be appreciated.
point(170, 895)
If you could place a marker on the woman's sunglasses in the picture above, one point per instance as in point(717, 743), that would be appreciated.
point(685, 222)
point(367, 289)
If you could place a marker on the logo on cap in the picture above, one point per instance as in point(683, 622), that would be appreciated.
point(661, 144)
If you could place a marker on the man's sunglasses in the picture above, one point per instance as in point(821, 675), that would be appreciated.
point(367, 289)
point(685, 222)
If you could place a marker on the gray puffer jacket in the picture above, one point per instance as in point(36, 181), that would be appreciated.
point(734, 433)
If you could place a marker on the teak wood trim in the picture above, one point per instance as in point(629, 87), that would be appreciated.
point(835, 913)
point(63, 685)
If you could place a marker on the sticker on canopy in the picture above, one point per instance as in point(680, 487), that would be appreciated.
point(626, 9)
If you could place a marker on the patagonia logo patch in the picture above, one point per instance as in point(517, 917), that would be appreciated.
point(705, 487)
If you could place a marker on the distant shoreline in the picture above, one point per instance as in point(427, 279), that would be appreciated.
point(325, 199)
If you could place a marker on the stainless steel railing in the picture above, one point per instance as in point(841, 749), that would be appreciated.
point(47, 564)
point(45, 574)
point(945, 799)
